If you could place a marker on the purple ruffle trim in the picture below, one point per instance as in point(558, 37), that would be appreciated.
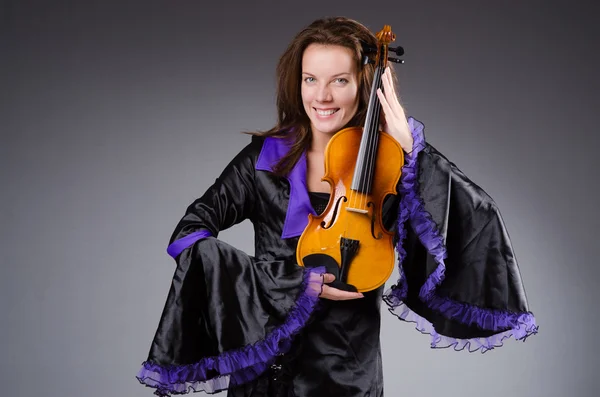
point(521, 325)
point(520, 331)
point(403, 215)
point(409, 196)
point(237, 366)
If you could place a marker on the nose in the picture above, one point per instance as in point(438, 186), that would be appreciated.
point(324, 93)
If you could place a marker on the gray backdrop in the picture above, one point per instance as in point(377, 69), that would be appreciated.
point(116, 116)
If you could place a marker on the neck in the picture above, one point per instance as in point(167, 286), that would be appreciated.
point(319, 142)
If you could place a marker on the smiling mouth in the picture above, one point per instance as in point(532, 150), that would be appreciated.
point(327, 112)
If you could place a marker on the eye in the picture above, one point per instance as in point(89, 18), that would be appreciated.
point(341, 80)
point(309, 79)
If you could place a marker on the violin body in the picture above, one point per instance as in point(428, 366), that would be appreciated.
point(350, 230)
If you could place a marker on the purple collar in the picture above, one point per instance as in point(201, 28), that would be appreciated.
point(299, 205)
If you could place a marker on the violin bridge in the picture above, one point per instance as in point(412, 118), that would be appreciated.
point(358, 210)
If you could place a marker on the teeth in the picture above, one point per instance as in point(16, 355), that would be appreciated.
point(326, 112)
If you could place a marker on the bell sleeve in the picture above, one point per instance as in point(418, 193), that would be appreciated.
point(228, 315)
point(459, 278)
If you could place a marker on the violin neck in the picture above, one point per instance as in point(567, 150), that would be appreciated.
point(365, 163)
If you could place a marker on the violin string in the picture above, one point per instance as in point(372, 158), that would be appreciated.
point(369, 128)
point(366, 154)
point(367, 162)
point(357, 198)
point(368, 145)
point(373, 133)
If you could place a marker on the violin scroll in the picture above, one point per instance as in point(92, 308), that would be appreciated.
point(379, 55)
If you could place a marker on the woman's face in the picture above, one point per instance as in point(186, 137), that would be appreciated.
point(329, 87)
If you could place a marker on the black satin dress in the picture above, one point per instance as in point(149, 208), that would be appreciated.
point(337, 354)
point(254, 324)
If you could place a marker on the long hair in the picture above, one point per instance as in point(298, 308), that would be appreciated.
point(291, 115)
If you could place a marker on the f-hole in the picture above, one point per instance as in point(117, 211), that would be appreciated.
point(335, 211)
point(373, 220)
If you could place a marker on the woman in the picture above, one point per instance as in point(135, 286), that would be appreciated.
point(264, 326)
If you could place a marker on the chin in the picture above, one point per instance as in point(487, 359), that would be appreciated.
point(327, 128)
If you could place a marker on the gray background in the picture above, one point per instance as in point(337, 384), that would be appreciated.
point(115, 116)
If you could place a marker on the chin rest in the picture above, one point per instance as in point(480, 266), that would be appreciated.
point(316, 260)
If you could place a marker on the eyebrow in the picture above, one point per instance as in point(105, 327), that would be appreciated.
point(335, 75)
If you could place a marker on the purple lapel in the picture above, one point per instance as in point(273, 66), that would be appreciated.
point(299, 206)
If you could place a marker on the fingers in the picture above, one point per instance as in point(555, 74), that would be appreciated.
point(382, 121)
point(392, 96)
point(386, 99)
point(390, 82)
point(328, 278)
point(387, 110)
point(338, 294)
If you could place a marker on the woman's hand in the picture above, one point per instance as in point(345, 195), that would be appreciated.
point(334, 293)
point(393, 118)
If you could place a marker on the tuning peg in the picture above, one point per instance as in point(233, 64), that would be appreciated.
point(367, 48)
point(396, 60)
point(367, 60)
point(398, 50)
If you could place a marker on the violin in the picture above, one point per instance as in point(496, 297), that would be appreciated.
point(362, 166)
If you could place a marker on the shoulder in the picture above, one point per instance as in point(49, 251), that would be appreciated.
point(272, 150)
point(249, 154)
point(262, 153)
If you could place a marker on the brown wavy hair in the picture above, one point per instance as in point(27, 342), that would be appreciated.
point(291, 115)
